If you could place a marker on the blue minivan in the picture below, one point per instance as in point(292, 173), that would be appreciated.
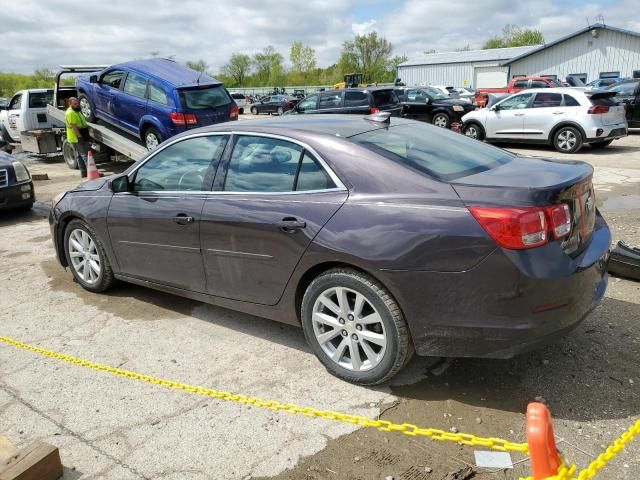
point(154, 99)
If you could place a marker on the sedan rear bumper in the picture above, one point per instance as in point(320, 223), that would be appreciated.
point(510, 303)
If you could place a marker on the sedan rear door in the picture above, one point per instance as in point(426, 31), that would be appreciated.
point(270, 200)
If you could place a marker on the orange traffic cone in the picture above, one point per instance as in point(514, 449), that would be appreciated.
point(92, 170)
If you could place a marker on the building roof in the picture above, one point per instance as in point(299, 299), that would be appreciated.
point(492, 54)
point(567, 37)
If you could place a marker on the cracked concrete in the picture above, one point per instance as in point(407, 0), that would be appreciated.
point(113, 428)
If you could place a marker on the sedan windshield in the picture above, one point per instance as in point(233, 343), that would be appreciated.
point(435, 151)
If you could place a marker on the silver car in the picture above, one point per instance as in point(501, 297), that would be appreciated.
point(566, 118)
point(240, 100)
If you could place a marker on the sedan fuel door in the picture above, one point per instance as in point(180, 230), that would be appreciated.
point(154, 225)
point(506, 118)
point(276, 196)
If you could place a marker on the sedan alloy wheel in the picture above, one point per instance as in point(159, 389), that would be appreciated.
point(83, 253)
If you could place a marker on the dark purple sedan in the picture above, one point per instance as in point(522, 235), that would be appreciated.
point(379, 237)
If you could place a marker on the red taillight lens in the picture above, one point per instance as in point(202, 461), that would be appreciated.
point(374, 110)
point(234, 112)
point(523, 227)
point(596, 109)
point(514, 228)
point(560, 219)
point(183, 118)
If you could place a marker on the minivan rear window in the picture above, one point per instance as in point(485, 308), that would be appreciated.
point(384, 97)
point(435, 151)
point(204, 98)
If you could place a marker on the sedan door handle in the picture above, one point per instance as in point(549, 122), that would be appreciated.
point(558, 113)
point(291, 225)
point(518, 114)
point(183, 219)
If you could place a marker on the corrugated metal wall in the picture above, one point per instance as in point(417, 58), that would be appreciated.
point(610, 52)
point(449, 74)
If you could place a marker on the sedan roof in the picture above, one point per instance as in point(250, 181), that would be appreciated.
point(332, 124)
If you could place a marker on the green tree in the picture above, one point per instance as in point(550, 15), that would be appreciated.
point(198, 66)
point(368, 54)
point(515, 36)
point(303, 58)
point(269, 67)
point(238, 68)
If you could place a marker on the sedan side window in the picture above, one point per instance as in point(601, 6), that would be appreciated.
point(516, 102)
point(113, 79)
point(311, 176)
point(308, 103)
point(180, 167)
point(262, 164)
point(136, 85)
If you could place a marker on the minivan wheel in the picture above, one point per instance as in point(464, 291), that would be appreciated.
point(85, 108)
point(86, 257)
point(152, 138)
point(441, 120)
point(473, 131)
point(254, 111)
point(567, 140)
point(69, 155)
point(355, 327)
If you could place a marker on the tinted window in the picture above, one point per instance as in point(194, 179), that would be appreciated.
point(135, 85)
point(157, 94)
point(384, 97)
point(569, 101)
point(308, 103)
point(608, 101)
point(434, 151)
point(181, 166)
point(330, 100)
point(356, 99)
point(544, 100)
point(625, 89)
point(434, 93)
point(521, 84)
point(539, 84)
point(203, 98)
point(40, 99)
point(261, 164)
point(312, 176)
point(113, 79)
point(516, 102)
point(16, 102)
point(237, 96)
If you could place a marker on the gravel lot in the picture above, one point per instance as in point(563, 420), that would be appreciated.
point(115, 428)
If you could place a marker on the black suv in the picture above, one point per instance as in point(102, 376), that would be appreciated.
point(429, 104)
point(628, 93)
point(359, 101)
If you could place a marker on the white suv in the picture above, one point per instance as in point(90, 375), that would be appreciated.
point(240, 100)
point(566, 118)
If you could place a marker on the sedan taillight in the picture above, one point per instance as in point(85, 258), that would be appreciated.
point(597, 109)
point(520, 228)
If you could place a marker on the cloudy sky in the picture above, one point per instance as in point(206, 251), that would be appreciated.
point(47, 33)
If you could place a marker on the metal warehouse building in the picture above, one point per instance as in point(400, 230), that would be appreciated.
point(597, 51)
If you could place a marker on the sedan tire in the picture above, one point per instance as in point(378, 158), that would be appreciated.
point(473, 130)
point(280, 110)
point(567, 140)
point(86, 257)
point(355, 327)
point(254, 111)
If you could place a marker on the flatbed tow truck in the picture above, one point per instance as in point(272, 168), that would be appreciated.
point(107, 141)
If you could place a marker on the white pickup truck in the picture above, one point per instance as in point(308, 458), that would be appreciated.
point(26, 111)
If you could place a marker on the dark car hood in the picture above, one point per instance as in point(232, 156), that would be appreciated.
point(6, 160)
point(450, 102)
point(91, 185)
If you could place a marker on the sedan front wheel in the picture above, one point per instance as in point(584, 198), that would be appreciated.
point(355, 327)
point(86, 257)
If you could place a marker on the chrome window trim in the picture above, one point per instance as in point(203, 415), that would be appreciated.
point(340, 187)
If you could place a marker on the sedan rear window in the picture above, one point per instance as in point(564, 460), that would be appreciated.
point(204, 98)
point(384, 97)
point(435, 151)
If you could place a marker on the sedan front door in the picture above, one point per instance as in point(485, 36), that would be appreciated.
point(155, 227)
point(506, 119)
point(259, 221)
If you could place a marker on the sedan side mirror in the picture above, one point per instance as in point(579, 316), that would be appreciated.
point(120, 184)
point(495, 108)
point(93, 79)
